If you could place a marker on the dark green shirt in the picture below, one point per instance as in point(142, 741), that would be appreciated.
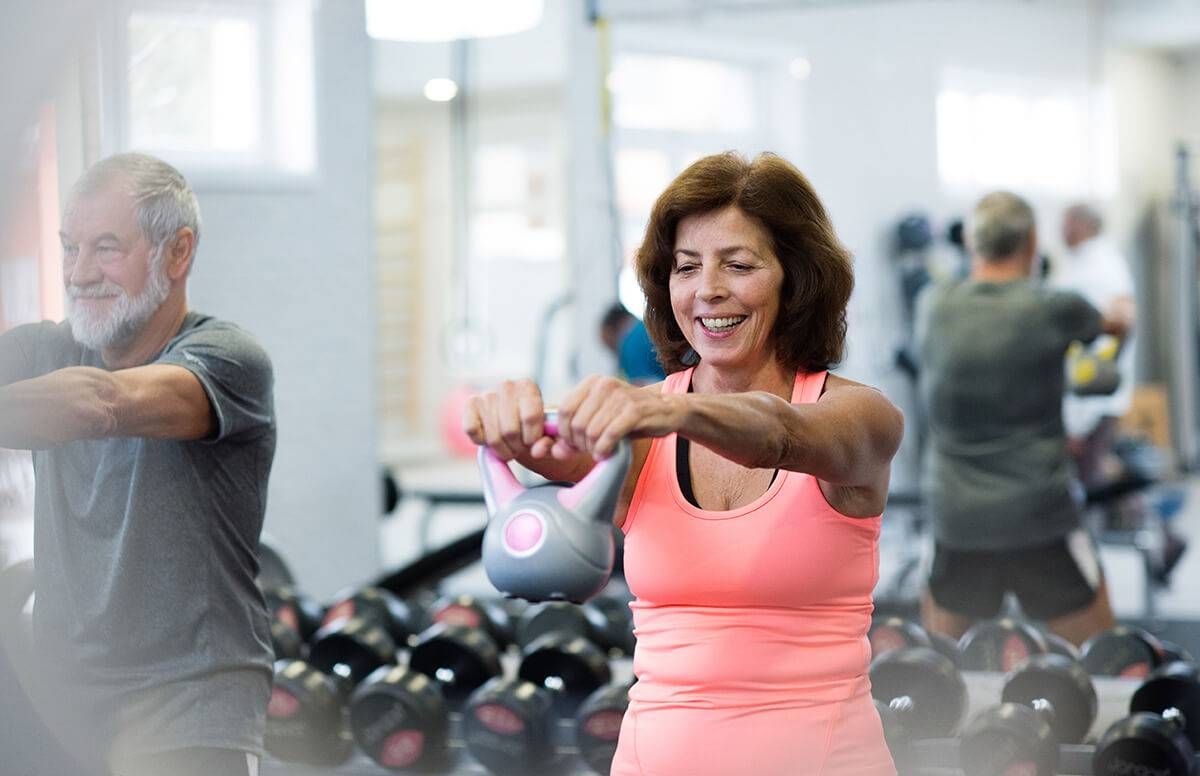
point(996, 472)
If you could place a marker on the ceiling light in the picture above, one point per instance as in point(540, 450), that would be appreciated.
point(440, 89)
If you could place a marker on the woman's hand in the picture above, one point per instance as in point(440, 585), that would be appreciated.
point(509, 420)
point(601, 411)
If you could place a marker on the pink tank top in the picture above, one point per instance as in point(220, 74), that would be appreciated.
point(765, 606)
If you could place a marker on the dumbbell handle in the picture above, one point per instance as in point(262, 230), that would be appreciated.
point(1175, 717)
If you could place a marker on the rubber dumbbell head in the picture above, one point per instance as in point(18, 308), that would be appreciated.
point(305, 717)
point(929, 681)
point(1145, 743)
point(508, 727)
point(598, 725)
point(1122, 651)
point(1008, 739)
point(570, 666)
point(1173, 685)
point(1065, 684)
point(378, 607)
point(888, 633)
point(459, 658)
point(351, 650)
point(399, 718)
point(471, 612)
point(294, 609)
point(1000, 645)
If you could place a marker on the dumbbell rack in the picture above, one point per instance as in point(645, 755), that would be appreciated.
point(567, 763)
point(939, 757)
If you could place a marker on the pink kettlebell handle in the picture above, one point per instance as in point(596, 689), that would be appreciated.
point(504, 486)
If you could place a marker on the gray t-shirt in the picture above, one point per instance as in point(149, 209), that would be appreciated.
point(996, 471)
point(146, 553)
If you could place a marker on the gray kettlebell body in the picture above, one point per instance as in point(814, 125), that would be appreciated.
point(552, 541)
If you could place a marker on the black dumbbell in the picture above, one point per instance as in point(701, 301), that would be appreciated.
point(598, 726)
point(459, 658)
point(1145, 743)
point(471, 612)
point(400, 719)
point(889, 633)
point(1172, 685)
point(1000, 645)
point(379, 607)
point(508, 726)
point(617, 634)
point(947, 646)
point(1047, 701)
point(1010, 738)
point(305, 716)
point(294, 609)
point(601, 624)
point(1173, 652)
point(918, 693)
point(351, 650)
point(1065, 684)
point(1123, 651)
point(1057, 645)
point(286, 641)
point(570, 666)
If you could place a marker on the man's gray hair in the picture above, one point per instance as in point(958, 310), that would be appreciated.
point(164, 202)
point(1086, 215)
point(1001, 226)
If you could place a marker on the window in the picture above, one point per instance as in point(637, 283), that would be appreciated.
point(1050, 138)
point(668, 111)
point(217, 86)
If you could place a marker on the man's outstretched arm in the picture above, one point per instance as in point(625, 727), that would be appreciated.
point(158, 401)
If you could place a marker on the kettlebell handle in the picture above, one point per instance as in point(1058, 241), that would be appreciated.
point(500, 485)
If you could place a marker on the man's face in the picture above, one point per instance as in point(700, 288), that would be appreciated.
point(113, 282)
point(1074, 230)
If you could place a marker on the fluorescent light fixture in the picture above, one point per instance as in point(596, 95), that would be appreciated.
point(440, 90)
point(445, 20)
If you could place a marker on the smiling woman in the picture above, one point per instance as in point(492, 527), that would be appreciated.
point(776, 216)
point(752, 507)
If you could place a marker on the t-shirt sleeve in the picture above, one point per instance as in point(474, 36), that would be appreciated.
point(18, 352)
point(1076, 318)
point(236, 374)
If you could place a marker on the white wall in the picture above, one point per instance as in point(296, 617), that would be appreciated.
point(295, 267)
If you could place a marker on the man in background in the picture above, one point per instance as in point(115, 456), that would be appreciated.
point(997, 477)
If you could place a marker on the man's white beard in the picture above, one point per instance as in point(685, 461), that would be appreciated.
point(125, 317)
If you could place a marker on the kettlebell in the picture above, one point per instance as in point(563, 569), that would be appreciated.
point(551, 542)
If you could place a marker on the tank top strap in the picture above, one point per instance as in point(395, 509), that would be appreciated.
point(808, 387)
point(678, 382)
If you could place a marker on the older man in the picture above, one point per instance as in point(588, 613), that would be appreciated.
point(997, 475)
point(1096, 270)
point(152, 429)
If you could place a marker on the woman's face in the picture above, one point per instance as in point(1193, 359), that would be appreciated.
point(725, 287)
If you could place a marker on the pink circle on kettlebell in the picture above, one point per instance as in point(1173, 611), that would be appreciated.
point(523, 532)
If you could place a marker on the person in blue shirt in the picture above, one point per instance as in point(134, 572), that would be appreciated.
point(626, 336)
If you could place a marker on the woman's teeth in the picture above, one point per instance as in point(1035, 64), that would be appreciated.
point(721, 324)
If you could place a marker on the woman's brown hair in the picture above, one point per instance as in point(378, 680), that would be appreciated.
point(810, 332)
